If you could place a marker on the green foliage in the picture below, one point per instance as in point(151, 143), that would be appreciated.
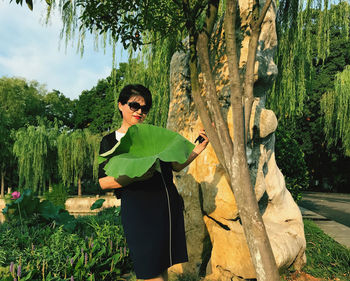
point(94, 108)
point(59, 108)
point(97, 204)
point(325, 257)
point(77, 151)
point(23, 207)
point(29, 207)
point(35, 151)
point(336, 108)
point(97, 250)
point(6, 157)
point(20, 104)
point(290, 159)
point(326, 164)
point(28, 2)
point(125, 21)
point(21, 101)
point(142, 146)
point(58, 195)
point(304, 32)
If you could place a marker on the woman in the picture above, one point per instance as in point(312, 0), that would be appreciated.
point(151, 209)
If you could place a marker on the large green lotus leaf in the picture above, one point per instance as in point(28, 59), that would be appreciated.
point(140, 148)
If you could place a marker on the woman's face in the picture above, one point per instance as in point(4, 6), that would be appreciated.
point(130, 116)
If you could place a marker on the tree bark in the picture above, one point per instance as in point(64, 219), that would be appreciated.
point(255, 26)
point(2, 194)
point(253, 225)
point(79, 187)
point(212, 99)
point(196, 91)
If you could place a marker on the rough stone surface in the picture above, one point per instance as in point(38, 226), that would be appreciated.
point(80, 206)
point(216, 242)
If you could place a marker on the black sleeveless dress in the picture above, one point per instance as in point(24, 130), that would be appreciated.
point(152, 218)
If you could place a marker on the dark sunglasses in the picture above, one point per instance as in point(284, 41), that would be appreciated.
point(135, 106)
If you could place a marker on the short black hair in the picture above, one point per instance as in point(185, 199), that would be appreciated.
point(133, 90)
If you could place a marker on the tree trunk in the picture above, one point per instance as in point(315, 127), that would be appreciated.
point(253, 225)
point(79, 187)
point(50, 185)
point(2, 184)
point(233, 156)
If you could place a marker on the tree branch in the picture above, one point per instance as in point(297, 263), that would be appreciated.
point(232, 57)
point(250, 66)
point(212, 99)
point(263, 13)
point(196, 93)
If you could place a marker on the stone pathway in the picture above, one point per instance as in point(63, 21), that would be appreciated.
point(339, 232)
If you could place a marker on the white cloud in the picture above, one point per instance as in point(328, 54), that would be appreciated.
point(30, 50)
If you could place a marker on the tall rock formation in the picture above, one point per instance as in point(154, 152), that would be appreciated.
point(216, 243)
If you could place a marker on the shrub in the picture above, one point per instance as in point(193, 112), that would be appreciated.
point(58, 195)
point(290, 159)
point(95, 251)
point(27, 206)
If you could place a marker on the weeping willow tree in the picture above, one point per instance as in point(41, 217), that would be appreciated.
point(77, 153)
point(32, 148)
point(336, 108)
point(303, 28)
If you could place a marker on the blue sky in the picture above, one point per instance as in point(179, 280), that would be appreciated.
point(29, 49)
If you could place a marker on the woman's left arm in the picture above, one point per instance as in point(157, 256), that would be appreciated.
point(177, 167)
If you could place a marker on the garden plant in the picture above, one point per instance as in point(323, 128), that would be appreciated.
point(44, 242)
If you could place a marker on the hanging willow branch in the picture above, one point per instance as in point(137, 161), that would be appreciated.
point(336, 108)
point(31, 149)
point(77, 152)
point(303, 29)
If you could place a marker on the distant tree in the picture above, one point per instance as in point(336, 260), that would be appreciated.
point(326, 163)
point(59, 108)
point(35, 150)
point(5, 150)
point(94, 109)
point(336, 107)
point(306, 30)
point(20, 104)
point(77, 152)
point(21, 101)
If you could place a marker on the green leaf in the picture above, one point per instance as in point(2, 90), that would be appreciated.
point(65, 6)
point(19, 200)
point(30, 4)
point(98, 204)
point(48, 210)
point(5, 210)
point(142, 145)
point(101, 159)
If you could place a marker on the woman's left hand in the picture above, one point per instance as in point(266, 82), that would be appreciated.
point(201, 146)
point(177, 167)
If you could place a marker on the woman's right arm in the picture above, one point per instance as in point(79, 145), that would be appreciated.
point(109, 182)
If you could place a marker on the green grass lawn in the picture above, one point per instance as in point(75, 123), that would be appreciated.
point(326, 258)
